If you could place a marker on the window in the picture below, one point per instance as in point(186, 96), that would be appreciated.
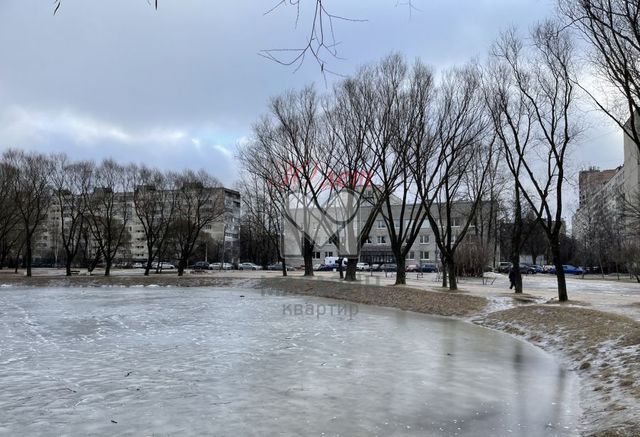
point(412, 255)
point(424, 254)
point(381, 239)
point(380, 224)
point(455, 221)
point(316, 255)
point(424, 239)
point(326, 254)
point(396, 223)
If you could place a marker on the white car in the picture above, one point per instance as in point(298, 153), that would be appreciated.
point(249, 266)
point(363, 267)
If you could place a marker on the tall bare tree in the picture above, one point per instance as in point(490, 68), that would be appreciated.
point(30, 192)
point(543, 79)
point(200, 201)
point(613, 34)
point(109, 210)
point(455, 186)
point(154, 201)
point(70, 184)
point(9, 219)
point(401, 139)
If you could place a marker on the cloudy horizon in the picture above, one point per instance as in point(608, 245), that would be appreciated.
point(181, 86)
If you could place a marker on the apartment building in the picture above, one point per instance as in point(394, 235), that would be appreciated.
point(607, 193)
point(222, 234)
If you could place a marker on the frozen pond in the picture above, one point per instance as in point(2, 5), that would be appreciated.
point(195, 361)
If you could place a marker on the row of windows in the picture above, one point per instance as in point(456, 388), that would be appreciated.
point(455, 221)
point(382, 239)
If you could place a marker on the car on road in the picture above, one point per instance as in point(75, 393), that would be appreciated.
point(527, 269)
point(428, 268)
point(327, 267)
point(138, 266)
point(504, 267)
point(411, 268)
point(363, 267)
point(568, 270)
point(278, 266)
point(388, 267)
point(249, 266)
point(200, 265)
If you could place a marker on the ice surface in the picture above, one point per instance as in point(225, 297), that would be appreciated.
point(188, 361)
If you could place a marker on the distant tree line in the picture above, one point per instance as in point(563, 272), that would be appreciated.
point(87, 209)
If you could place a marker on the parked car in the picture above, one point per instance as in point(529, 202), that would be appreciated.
point(428, 268)
point(249, 266)
point(278, 266)
point(363, 267)
point(527, 269)
point(504, 267)
point(411, 268)
point(388, 267)
point(537, 268)
point(327, 267)
point(200, 265)
point(163, 266)
point(375, 267)
point(138, 266)
point(568, 270)
point(547, 268)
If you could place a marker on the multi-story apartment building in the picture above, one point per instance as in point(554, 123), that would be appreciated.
point(424, 249)
point(607, 193)
point(223, 232)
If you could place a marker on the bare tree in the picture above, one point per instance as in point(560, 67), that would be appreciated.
point(30, 192)
point(453, 188)
point(109, 209)
point(543, 79)
point(9, 219)
point(154, 200)
point(612, 31)
point(262, 221)
point(402, 141)
point(200, 201)
point(70, 183)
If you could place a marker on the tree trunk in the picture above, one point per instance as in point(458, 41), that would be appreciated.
point(557, 261)
point(350, 274)
point(107, 267)
point(453, 282)
point(182, 264)
point(147, 268)
point(401, 274)
point(340, 268)
point(68, 265)
point(444, 275)
point(308, 257)
point(29, 254)
point(284, 267)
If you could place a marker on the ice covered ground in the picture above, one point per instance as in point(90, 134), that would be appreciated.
point(139, 361)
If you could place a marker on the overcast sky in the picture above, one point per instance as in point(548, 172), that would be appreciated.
point(181, 86)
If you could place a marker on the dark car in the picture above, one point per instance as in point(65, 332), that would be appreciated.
point(388, 267)
point(568, 270)
point(527, 269)
point(278, 266)
point(200, 265)
point(428, 268)
point(327, 267)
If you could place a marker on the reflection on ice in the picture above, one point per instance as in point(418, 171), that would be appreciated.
point(206, 361)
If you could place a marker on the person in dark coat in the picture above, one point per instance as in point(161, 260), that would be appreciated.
point(512, 278)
